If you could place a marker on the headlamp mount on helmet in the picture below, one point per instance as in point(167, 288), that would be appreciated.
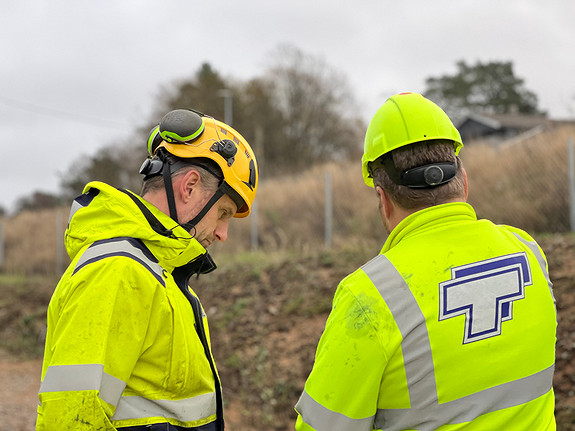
point(227, 149)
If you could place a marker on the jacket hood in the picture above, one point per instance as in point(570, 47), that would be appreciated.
point(104, 212)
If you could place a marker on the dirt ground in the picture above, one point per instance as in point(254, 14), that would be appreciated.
point(265, 325)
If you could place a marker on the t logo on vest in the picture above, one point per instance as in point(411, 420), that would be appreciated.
point(484, 292)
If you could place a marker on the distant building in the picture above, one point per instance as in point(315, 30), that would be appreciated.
point(500, 127)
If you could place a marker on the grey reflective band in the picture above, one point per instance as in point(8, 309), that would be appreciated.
point(88, 377)
point(91, 377)
point(187, 410)
point(323, 419)
point(82, 201)
point(127, 247)
point(542, 262)
point(468, 408)
point(410, 320)
point(420, 373)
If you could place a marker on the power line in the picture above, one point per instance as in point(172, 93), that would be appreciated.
point(63, 115)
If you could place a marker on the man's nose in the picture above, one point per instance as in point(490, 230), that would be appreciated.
point(221, 231)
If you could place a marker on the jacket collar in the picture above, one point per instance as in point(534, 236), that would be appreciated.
point(429, 217)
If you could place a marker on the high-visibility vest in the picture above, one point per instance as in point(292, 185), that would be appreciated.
point(451, 327)
point(122, 349)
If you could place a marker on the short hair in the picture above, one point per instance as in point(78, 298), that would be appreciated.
point(419, 154)
point(210, 173)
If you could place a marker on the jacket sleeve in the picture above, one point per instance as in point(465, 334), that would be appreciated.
point(98, 325)
point(343, 388)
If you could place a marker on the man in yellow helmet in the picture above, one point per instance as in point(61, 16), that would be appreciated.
point(452, 326)
point(128, 345)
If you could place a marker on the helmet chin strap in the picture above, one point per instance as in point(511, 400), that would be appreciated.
point(223, 189)
point(193, 222)
point(167, 175)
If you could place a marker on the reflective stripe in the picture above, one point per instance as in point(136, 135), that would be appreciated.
point(323, 419)
point(426, 413)
point(82, 201)
point(466, 409)
point(186, 410)
point(211, 426)
point(542, 262)
point(410, 321)
point(123, 246)
point(88, 377)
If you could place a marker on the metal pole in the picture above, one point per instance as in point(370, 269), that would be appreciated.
point(571, 184)
point(1, 243)
point(328, 210)
point(254, 224)
point(59, 244)
point(228, 105)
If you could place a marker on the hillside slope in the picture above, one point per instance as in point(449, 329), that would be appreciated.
point(267, 313)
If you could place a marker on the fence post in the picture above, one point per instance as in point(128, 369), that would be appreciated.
point(254, 224)
point(59, 243)
point(328, 210)
point(1, 243)
point(571, 184)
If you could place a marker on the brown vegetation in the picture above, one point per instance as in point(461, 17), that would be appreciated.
point(267, 312)
point(267, 308)
point(523, 183)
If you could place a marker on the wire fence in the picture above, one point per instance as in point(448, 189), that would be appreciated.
point(528, 182)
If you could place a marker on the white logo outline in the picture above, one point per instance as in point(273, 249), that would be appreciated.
point(484, 293)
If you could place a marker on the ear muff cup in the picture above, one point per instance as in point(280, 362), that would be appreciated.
point(151, 167)
point(154, 141)
point(181, 126)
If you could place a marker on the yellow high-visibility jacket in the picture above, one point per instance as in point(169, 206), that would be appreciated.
point(122, 349)
point(451, 327)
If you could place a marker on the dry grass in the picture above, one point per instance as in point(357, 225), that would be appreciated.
point(291, 211)
point(33, 242)
point(523, 183)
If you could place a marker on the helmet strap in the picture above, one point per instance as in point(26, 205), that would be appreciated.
point(193, 222)
point(223, 189)
point(167, 175)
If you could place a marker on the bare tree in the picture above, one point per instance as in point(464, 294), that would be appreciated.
point(317, 109)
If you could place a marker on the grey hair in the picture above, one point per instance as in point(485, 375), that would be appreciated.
point(205, 167)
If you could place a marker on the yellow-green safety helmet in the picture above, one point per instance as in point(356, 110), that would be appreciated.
point(404, 119)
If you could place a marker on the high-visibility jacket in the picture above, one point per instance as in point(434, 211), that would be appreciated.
point(122, 349)
point(451, 327)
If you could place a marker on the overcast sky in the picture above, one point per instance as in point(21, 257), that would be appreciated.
point(76, 75)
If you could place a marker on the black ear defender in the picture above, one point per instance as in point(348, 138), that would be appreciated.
point(420, 177)
point(154, 141)
point(181, 126)
point(427, 176)
point(152, 166)
point(178, 126)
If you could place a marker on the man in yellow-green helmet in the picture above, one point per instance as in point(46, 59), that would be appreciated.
point(128, 345)
point(452, 326)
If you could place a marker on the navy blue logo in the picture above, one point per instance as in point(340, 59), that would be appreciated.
point(484, 293)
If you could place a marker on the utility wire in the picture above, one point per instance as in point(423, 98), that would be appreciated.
point(63, 115)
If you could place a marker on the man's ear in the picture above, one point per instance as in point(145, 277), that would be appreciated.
point(465, 184)
point(385, 204)
point(189, 182)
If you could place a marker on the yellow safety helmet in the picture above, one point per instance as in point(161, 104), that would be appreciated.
point(190, 134)
point(404, 119)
